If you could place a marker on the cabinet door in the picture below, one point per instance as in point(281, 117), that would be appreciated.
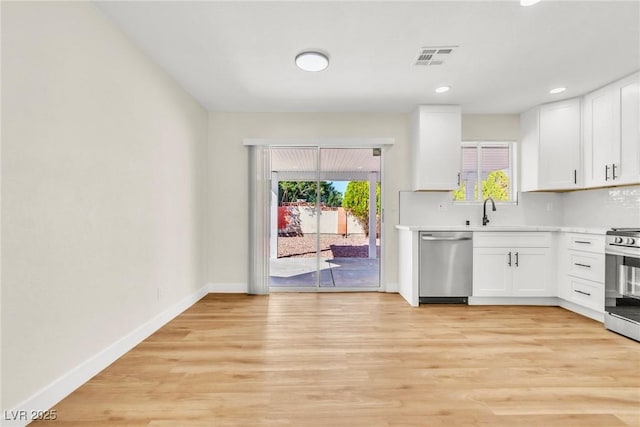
point(599, 137)
point(491, 272)
point(529, 144)
point(559, 146)
point(531, 271)
point(436, 147)
point(627, 152)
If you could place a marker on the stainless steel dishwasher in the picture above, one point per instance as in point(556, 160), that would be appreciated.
point(445, 266)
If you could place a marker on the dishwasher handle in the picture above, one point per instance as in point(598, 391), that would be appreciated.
point(450, 239)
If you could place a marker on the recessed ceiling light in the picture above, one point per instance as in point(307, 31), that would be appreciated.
point(528, 2)
point(312, 61)
point(557, 90)
point(443, 89)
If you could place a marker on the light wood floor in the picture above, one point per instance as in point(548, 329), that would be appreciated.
point(366, 359)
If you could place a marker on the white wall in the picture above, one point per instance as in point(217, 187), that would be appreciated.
point(437, 208)
point(328, 222)
point(228, 185)
point(604, 207)
point(103, 167)
point(490, 127)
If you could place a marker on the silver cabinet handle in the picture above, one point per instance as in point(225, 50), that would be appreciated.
point(449, 239)
point(458, 179)
point(581, 292)
point(575, 176)
point(606, 172)
point(582, 242)
point(613, 169)
point(581, 265)
point(509, 262)
point(517, 259)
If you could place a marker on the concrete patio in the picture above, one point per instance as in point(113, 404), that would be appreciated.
point(344, 273)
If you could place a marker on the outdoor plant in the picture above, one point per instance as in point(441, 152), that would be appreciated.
point(495, 186)
point(356, 203)
point(289, 223)
point(295, 191)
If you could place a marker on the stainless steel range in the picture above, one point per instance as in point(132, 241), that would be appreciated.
point(622, 282)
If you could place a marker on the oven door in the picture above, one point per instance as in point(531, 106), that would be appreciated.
point(628, 277)
point(622, 295)
point(622, 277)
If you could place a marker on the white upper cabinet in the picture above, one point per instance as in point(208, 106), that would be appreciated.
point(629, 147)
point(436, 138)
point(612, 134)
point(550, 144)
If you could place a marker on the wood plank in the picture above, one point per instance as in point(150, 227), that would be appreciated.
point(366, 359)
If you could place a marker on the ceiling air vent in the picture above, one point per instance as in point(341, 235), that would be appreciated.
point(434, 55)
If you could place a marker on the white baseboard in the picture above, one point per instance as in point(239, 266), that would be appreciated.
point(587, 312)
point(53, 393)
point(227, 288)
point(392, 287)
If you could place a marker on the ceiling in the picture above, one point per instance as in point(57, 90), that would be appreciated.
point(238, 56)
point(351, 161)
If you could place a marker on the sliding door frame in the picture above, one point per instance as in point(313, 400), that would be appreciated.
point(260, 206)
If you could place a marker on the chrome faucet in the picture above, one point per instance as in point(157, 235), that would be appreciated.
point(485, 218)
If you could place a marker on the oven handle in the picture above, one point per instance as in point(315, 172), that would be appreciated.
point(618, 250)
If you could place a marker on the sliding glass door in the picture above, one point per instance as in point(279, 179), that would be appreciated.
point(324, 219)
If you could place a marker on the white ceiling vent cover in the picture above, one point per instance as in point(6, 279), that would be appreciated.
point(434, 55)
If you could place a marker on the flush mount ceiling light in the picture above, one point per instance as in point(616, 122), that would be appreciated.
point(312, 60)
point(528, 2)
point(557, 90)
point(443, 89)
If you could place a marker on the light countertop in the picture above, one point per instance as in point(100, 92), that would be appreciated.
point(514, 228)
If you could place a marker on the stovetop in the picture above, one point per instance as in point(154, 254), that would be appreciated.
point(622, 240)
point(630, 232)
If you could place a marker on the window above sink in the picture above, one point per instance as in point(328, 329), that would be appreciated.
point(488, 169)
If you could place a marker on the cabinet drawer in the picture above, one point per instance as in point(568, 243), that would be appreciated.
point(586, 265)
point(586, 242)
point(586, 293)
point(525, 239)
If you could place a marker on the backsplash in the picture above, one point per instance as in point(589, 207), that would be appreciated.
point(437, 208)
point(602, 208)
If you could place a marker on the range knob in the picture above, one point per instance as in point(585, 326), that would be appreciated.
point(630, 241)
point(617, 240)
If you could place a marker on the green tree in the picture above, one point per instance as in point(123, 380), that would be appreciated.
point(293, 191)
point(496, 186)
point(356, 202)
point(461, 193)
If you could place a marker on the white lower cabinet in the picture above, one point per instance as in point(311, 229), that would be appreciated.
point(582, 272)
point(512, 271)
